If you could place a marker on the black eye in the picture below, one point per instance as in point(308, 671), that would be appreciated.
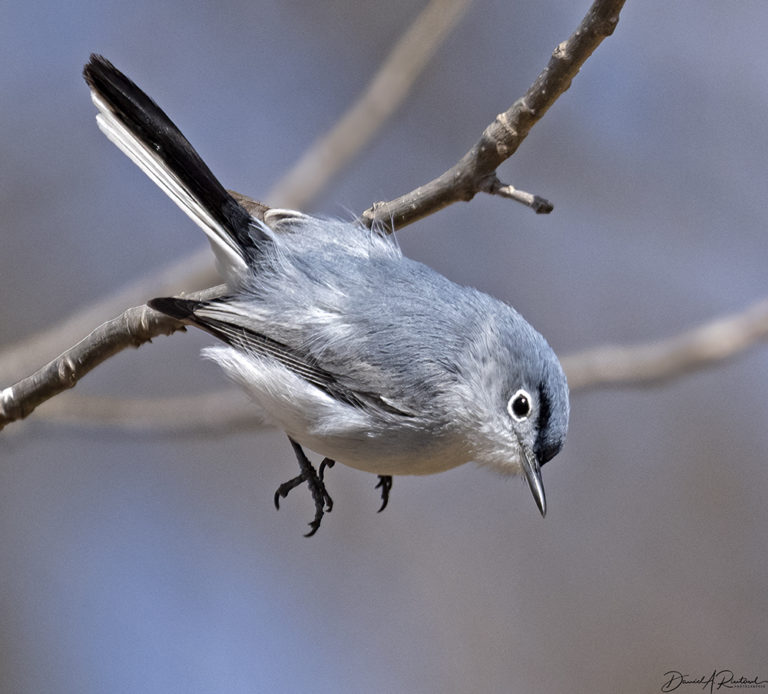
point(519, 405)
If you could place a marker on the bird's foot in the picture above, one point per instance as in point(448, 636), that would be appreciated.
point(314, 481)
point(385, 484)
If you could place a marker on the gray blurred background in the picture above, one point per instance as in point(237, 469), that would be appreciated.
point(146, 563)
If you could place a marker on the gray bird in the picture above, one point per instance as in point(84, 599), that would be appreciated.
point(355, 351)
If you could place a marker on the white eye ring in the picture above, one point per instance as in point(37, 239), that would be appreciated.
point(519, 405)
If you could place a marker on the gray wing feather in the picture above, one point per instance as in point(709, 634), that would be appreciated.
point(215, 318)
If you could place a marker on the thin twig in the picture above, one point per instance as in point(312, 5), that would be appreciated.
point(476, 171)
point(538, 204)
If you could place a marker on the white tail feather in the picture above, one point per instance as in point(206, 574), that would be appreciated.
point(227, 252)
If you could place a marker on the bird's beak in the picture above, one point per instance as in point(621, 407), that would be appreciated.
point(532, 471)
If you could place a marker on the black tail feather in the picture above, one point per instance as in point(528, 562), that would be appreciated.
point(147, 121)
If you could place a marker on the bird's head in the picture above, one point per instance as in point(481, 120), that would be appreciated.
point(516, 401)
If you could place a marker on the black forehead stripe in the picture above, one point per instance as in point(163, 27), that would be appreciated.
point(545, 414)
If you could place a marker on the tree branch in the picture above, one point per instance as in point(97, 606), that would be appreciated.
point(36, 349)
point(475, 172)
point(132, 328)
point(653, 362)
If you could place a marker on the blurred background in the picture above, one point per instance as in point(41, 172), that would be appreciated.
point(135, 562)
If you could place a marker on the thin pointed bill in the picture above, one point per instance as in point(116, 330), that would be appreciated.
point(532, 470)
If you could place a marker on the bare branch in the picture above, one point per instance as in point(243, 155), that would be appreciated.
point(38, 348)
point(132, 328)
point(501, 138)
point(538, 204)
point(653, 362)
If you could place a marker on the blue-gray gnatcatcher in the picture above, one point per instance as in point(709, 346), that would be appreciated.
point(356, 352)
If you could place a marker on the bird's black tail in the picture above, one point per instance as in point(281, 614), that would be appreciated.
point(140, 128)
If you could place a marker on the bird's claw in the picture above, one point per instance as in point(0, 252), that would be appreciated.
point(314, 481)
point(325, 463)
point(385, 484)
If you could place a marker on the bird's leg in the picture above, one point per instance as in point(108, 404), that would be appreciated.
point(385, 484)
point(314, 480)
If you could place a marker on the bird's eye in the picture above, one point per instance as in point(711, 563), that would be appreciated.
point(519, 405)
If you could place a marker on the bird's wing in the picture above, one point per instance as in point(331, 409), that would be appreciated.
point(215, 318)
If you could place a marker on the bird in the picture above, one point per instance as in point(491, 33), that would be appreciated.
point(354, 350)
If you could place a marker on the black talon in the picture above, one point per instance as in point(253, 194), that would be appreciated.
point(326, 463)
point(385, 484)
point(314, 481)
